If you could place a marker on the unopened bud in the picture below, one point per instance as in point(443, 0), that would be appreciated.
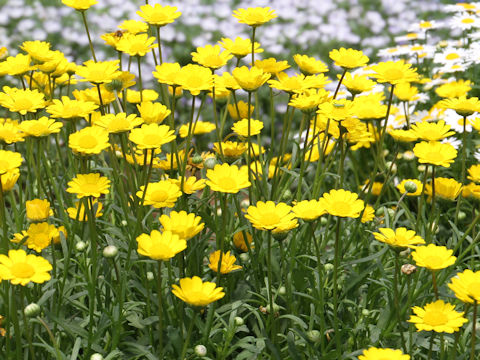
point(124, 223)
point(110, 251)
point(150, 276)
point(210, 163)
point(114, 85)
point(410, 186)
point(461, 215)
point(328, 267)
point(200, 350)
point(408, 155)
point(96, 356)
point(408, 269)
point(287, 195)
point(392, 167)
point(323, 221)
point(81, 245)
point(365, 312)
point(245, 203)
point(32, 310)
point(244, 257)
point(314, 336)
point(238, 321)
point(282, 290)
point(197, 159)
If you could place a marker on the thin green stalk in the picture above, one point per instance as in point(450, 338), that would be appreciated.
point(160, 58)
point(3, 216)
point(464, 159)
point(140, 83)
point(88, 34)
point(160, 309)
point(339, 83)
point(474, 330)
point(58, 355)
point(187, 143)
point(335, 288)
point(271, 313)
point(254, 28)
point(396, 298)
point(189, 335)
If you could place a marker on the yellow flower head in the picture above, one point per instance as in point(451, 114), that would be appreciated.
point(271, 216)
point(16, 65)
point(308, 210)
point(68, 108)
point(227, 264)
point(337, 110)
point(38, 209)
point(20, 268)
point(466, 287)
point(418, 183)
point(10, 132)
point(432, 131)
point(231, 149)
point(406, 92)
point(243, 129)
point(195, 292)
point(454, 89)
point(120, 122)
point(348, 58)
point(190, 184)
point(309, 100)
point(194, 78)
point(133, 96)
point(91, 95)
point(240, 47)
point(160, 246)
point(342, 203)
point(38, 50)
point(78, 211)
point(240, 242)
point(152, 112)
point(435, 153)
point(357, 84)
point(22, 101)
point(227, 178)
point(136, 45)
point(271, 65)
point(240, 110)
point(41, 127)
point(160, 194)
point(211, 56)
point(92, 184)
point(463, 106)
point(167, 73)
point(159, 15)
point(9, 179)
point(101, 72)
point(433, 257)
point(474, 173)
point(403, 135)
point(369, 107)
point(394, 72)
point(368, 214)
point(254, 16)
point(9, 161)
point(198, 128)
point(471, 189)
point(40, 236)
point(80, 5)
point(250, 79)
point(445, 188)
point(134, 26)
point(185, 225)
point(381, 354)
point(151, 136)
point(437, 316)
point(399, 238)
point(309, 65)
point(91, 140)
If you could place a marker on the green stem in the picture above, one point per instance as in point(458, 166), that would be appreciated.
point(160, 58)
point(160, 310)
point(88, 34)
point(474, 330)
point(189, 335)
point(464, 159)
point(396, 297)
point(339, 83)
point(335, 288)
point(140, 83)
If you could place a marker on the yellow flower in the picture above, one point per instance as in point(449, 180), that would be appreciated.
point(406, 92)
point(120, 122)
point(254, 16)
point(41, 127)
point(454, 89)
point(239, 110)
point(68, 108)
point(136, 45)
point(431, 131)
point(433, 257)
point(226, 266)
point(167, 73)
point(195, 292)
point(231, 149)
point(463, 106)
point(160, 246)
point(337, 110)
point(342, 203)
point(394, 72)
point(78, 211)
point(369, 107)
point(190, 184)
point(89, 141)
point(20, 268)
point(240, 47)
point(160, 194)
point(445, 188)
point(435, 153)
point(211, 56)
point(158, 15)
point(309, 100)
point(250, 79)
point(308, 210)
point(241, 127)
point(368, 214)
point(185, 225)
point(240, 242)
point(92, 184)
point(474, 173)
point(134, 26)
point(437, 316)
point(309, 65)
point(357, 84)
point(271, 216)
point(348, 58)
point(38, 209)
point(403, 135)
point(133, 96)
point(227, 178)
point(40, 236)
point(9, 179)
point(199, 127)
point(291, 84)
point(418, 183)
point(194, 78)
point(16, 65)
point(151, 136)
point(22, 101)
point(10, 132)
point(382, 354)
point(400, 237)
point(471, 189)
point(9, 161)
point(152, 112)
point(465, 286)
point(91, 95)
point(101, 72)
point(80, 5)
point(271, 65)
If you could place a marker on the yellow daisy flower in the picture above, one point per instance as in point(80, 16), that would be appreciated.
point(16, 65)
point(211, 56)
point(399, 238)
point(226, 266)
point(40, 235)
point(160, 194)
point(435, 153)
point(41, 127)
point(68, 108)
point(342, 203)
point(195, 292)
point(231, 149)
point(432, 131)
point(241, 127)
point(198, 128)
point(194, 78)
point(133, 96)
point(152, 112)
point(394, 72)
point(254, 16)
point(160, 246)
point(271, 216)
point(357, 84)
point(20, 268)
point(158, 15)
point(136, 45)
point(227, 178)
point(9, 161)
point(240, 47)
point(240, 242)
point(465, 286)
point(21, 101)
point(433, 257)
point(437, 316)
point(381, 354)
point(185, 225)
point(454, 89)
point(80, 5)
point(271, 65)
point(348, 58)
point(38, 209)
point(250, 79)
point(308, 210)
point(239, 110)
point(92, 184)
point(91, 140)
point(190, 184)
point(117, 123)
point(445, 188)
point(167, 73)
point(309, 65)
point(418, 183)
point(134, 26)
point(151, 136)
point(463, 106)
point(9, 179)
point(10, 132)
point(77, 212)
point(100, 72)
point(474, 173)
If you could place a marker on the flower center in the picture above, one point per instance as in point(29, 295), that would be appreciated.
point(269, 219)
point(452, 56)
point(394, 74)
point(228, 183)
point(88, 142)
point(22, 270)
point(468, 21)
point(24, 103)
point(474, 289)
point(435, 318)
point(159, 195)
point(151, 139)
point(4, 166)
point(38, 129)
point(434, 157)
point(342, 208)
point(434, 261)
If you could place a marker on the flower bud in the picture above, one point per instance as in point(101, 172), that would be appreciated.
point(197, 159)
point(323, 221)
point(32, 310)
point(282, 290)
point(314, 336)
point(328, 267)
point(245, 203)
point(276, 308)
point(390, 213)
point(124, 223)
point(150, 276)
point(114, 85)
point(110, 251)
point(408, 155)
point(410, 186)
point(96, 356)
point(461, 215)
point(408, 269)
point(244, 257)
point(287, 195)
point(238, 321)
point(81, 245)
point(365, 312)
point(210, 163)
point(392, 167)
point(200, 350)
